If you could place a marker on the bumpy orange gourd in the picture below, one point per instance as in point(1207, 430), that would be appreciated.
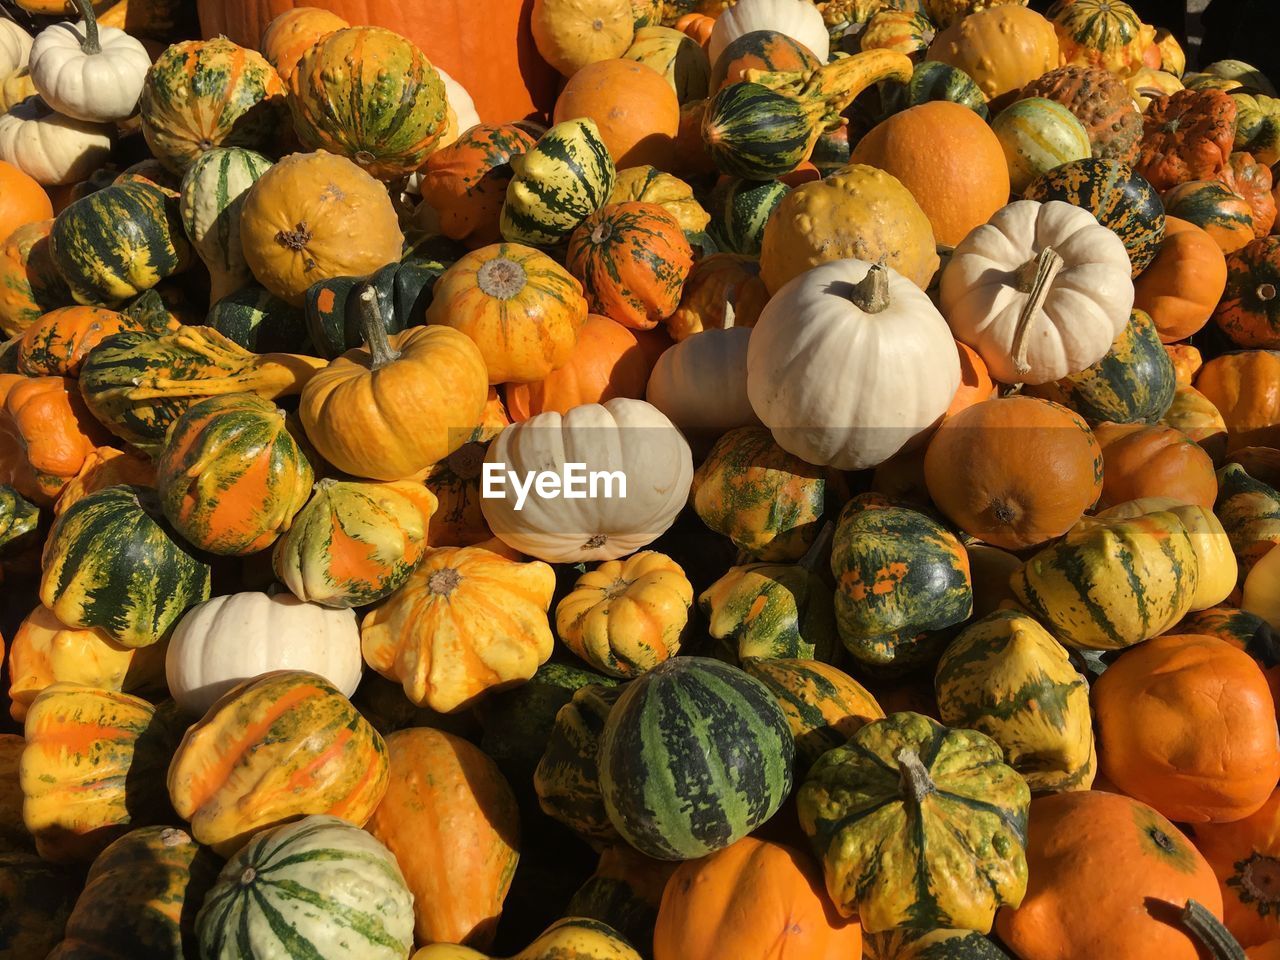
point(634, 106)
point(53, 432)
point(465, 183)
point(30, 284)
point(1141, 460)
point(1183, 285)
point(1243, 387)
point(1003, 48)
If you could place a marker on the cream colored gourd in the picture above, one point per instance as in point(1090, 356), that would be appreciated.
point(462, 109)
point(224, 641)
point(89, 72)
point(798, 19)
point(52, 148)
point(848, 363)
point(1041, 291)
point(15, 47)
point(213, 192)
point(629, 437)
point(573, 33)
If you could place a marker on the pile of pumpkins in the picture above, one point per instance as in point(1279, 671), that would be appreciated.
point(921, 360)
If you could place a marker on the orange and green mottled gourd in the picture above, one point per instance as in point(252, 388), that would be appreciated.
point(1250, 513)
point(354, 543)
point(231, 477)
point(1103, 33)
point(466, 622)
point(277, 748)
point(370, 95)
point(57, 343)
point(102, 468)
point(30, 284)
point(452, 822)
point(91, 768)
point(466, 182)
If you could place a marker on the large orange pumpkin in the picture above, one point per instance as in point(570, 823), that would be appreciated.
point(1153, 461)
point(632, 104)
point(1243, 386)
point(1245, 854)
point(1183, 284)
point(22, 200)
point(949, 159)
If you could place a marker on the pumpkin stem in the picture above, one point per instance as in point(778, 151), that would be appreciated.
point(91, 44)
point(1208, 929)
point(502, 278)
point(443, 582)
point(916, 782)
point(819, 548)
point(1035, 278)
point(374, 330)
point(1266, 292)
point(871, 293)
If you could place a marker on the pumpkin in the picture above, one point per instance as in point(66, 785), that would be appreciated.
point(932, 81)
point(105, 467)
point(1199, 756)
point(1236, 383)
point(521, 309)
point(1252, 181)
point(1007, 677)
point(358, 904)
point(1125, 859)
point(1101, 102)
point(1249, 511)
point(1246, 313)
point(30, 284)
point(201, 94)
point(727, 743)
point(1186, 136)
point(1003, 48)
point(648, 184)
point(299, 219)
point(657, 474)
point(15, 47)
point(1215, 208)
point(994, 498)
point(51, 435)
point(441, 638)
point(1162, 570)
point(571, 34)
point(57, 343)
point(904, 943)
point(767, 51)
point(1242, 854)
point(1102, 33)
point(1182, 285)
point(213, 194)
point(573, 938)
point(559, 182)
point(449, 818)
point(863, 807)
point(52, 149)
point(466, 182)
point(1141, 461)
point(1010, 294)
point(90, 768)
point(281, 746)
point(567, 778)
point(633, 106)
point(1243, 630)
point(740, 209)
point(792, 18)
point(721, 290)
point(293, 33)
point(1120, 199)
point(1037, 136)
point(701, 383)
point(901, 30)
point(24, 200)
point(1193, 414)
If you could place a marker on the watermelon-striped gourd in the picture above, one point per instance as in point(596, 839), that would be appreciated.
point(567, 778)
point(739, 210)
point(319, 887)
point(756, 133)
point(213, 191)
point(567, 176)
point(695, 755)
point(255, 318)
point(113, 562)
point(904, 943)
point(1038, 135)
point(1112, 583)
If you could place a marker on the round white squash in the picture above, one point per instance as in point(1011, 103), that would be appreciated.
point(798, 19)
point(89, 72)
point(51, 148)
point(848, 363)
point(623, 437)
point(15, 47)
point(226, 640)
point(1041, 291)
point(463, 115)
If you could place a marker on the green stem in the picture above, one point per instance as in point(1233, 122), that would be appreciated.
point(91, 44)
point(1208, 929)
point(373, 328)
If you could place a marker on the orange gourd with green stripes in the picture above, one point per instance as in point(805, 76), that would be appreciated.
point(57, 343)
point(30, 285)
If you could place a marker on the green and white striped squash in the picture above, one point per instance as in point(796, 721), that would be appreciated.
point(1006, 676)
point(907, 944)
point(739, 210)
point(1038, 135)
point(566, 177)
point(676, 56)
point(756, 133)
point(695, 755)
point(113, 562)
point(213, 191)
point(112, 245)
point(1110, 584)
point(258, 320)
point(567, 778)
point(320, 887)
point(18, 520)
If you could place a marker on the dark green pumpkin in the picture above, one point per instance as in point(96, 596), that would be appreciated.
point(766, 50)
point(695, 755)
point(1122, 200)
point(756, 133)
point(113, 562)
point(739, 211)
point(568, 775)
point(404, 293)
point(116, 243)
point(18, 520)
point(931, 81)
point(907, 944)
point(258, 320)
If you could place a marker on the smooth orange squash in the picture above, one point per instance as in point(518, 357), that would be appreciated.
point(1153, 461)
point(1245, 387)
point(632, 104)
point(1183, 284)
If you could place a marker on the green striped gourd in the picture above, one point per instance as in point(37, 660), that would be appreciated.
point(625, 893)
point(1250, 514)
point(932, 80)
point(756, 133)
point(140, 899)
point(739, 210)
point(255, 318)
point(907, 944)
point(1112, 583)
point(674, 55)
point(114, 244)
point(1038, 135)
point(918, 825)
point(823, 705)
point(1006, 676)
point(567, 176)
point(695, 755)
point(333, 314)
point(18, 519)
point(369, 95)
point(567, 778)
point(213, 191)
point(319, 887)
point(112, 562)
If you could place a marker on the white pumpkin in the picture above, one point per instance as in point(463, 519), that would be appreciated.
point(850, 362)
point(1041, 291)
point(226, 640)
point(623, 437)
point(89, 72)
point(462, 109)
point(15, 47)
point(798, 19)
point(52, 148)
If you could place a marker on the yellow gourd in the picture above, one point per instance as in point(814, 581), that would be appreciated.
point(573, 33)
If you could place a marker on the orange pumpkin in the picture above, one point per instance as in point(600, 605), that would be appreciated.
point(607, 362)
point(634, 106)
point(1214, 207)
point(1187, 724)
point(717, 284)
point(22, 200)
point(1107, 876)
point(466, 182)
point(1245, 855)
point(1003, 48)
point(1141, 460)
point(1183, 284)
point(57, 343)
point(1186, 136)
point(1186, 361)
point(1252, 180)
point(46, 433)
point(754, 900)
point(452, 822)
point(1243, 386)
point(976, 384)
point(698, 26)
point(293, 33)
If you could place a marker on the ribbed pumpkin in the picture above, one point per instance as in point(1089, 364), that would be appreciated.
point(320, 886)
point(91, 768)
point(882, 809)
point(521, 308)
point(567, 778)
point(57, 343)
point(1003, 48)
point(1181, 287)
point(118, 242)
point(1216, 209)
point(452, 823)
point(466, 621)
point(202, 94)
point(276, 748)
point(1038, 135)
point(1146, 461)
point(30, 284)
point(695, 755)
point(739, 211)
point(1250, 513)
point(1101, 102)
point(370, 95)
point(1186, 136)
point(1238, 384)
point(1104, 33)
point(466, 182)
point(1243, 854)
point(1249, 312)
